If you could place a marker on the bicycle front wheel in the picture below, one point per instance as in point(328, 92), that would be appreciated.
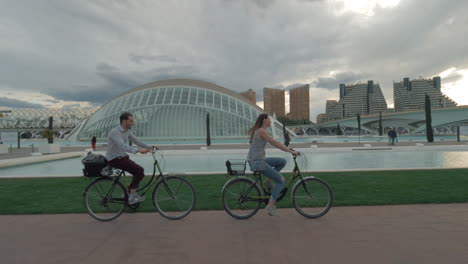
point(312, 197)
point(241, 198)
point(105, 199)
point(174, 198)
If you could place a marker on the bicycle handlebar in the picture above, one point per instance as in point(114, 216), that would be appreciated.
point(294, 156)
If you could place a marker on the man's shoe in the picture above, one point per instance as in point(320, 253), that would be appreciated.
point(271, 210)
point(135, 198)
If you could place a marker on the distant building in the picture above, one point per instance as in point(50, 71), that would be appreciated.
point(274, 102)
point(330, 104)
point(363, 98)
point(322, 118)
point(299, 103)
point(250, 95)
point(410, 94)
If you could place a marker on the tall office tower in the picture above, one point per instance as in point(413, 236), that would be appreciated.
point(329, 106)
point(299, 103)
point(322, 118)
point(363, 98)
point(410, 94)
point(273, 102)
point(250, 95)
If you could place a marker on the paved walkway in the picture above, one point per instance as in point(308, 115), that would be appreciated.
point(373, 234)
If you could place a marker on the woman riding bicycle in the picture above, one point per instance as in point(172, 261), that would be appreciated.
point(269, 167)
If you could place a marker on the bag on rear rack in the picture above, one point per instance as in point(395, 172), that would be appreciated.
point(235, 167)
point(93, 165)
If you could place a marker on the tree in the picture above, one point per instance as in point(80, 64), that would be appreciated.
point(358, 117)
point(380, 124)
point(208, 136)
point(338, 130)
point(48, 132)
point(429, 132)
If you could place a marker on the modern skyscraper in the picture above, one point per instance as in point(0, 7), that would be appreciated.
point(273, 102)
point(250, 95)
point(299, 103)
point(322, 118)
point(329, 106)
point(410, 94)
point(363, 98)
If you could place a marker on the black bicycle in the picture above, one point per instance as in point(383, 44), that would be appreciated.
point(243, 196)
point(106, 197)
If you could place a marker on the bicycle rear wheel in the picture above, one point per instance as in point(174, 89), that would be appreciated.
point(312, 197)
point(174, 200)
point(241, 198)
point(105, 199)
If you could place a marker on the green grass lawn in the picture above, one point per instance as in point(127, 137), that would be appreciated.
point(64, 195)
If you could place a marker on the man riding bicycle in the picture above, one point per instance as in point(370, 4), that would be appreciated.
point(117, 149)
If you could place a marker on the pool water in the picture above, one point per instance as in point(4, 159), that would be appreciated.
point(300, 139)
point(212, 161)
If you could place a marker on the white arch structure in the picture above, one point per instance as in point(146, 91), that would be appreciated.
point(413, 121)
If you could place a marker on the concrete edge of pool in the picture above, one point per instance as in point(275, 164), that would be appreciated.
point(224, 172)
point(36, 159)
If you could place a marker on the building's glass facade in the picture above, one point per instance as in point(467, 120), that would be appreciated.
point(411, 94)
point(177, 110)
point(361, 98)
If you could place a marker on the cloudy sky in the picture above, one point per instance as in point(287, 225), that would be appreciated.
point(79, 53)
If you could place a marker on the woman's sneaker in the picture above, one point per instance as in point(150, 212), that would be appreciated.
point(135, 198)
point(271, 210)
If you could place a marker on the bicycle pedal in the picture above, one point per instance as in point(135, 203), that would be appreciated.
point(134, 206)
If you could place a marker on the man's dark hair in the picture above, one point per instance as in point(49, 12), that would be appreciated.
point(125, 116)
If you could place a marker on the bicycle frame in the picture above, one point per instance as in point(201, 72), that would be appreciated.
point(296, 174)
point(151, 183)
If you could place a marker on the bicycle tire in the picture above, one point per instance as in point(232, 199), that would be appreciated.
point(99, 205)
point(174, 207)
point(239, 201)
point(312, 197)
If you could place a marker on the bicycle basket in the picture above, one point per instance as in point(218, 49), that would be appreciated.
point(236, 166)
point(93, 165)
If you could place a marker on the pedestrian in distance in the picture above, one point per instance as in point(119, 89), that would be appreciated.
point(93, 143)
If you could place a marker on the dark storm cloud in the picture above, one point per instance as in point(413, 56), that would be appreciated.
point(13, 103)
point(115, 82)
point(94, 51)
point(150, 58)
point(335, 81)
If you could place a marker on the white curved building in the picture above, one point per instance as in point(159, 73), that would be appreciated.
point(177, 110)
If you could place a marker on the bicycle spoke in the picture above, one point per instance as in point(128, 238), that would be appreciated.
point(312, 197)
point(104, 199)
point(237, 199)
point(174, 198)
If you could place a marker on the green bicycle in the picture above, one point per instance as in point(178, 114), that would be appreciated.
point(243, 196)
point(106, 197)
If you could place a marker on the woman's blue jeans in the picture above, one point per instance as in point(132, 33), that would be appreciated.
point(270, 167)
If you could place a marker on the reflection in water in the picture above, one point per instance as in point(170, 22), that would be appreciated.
point(308, 139)
point(315, 161)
